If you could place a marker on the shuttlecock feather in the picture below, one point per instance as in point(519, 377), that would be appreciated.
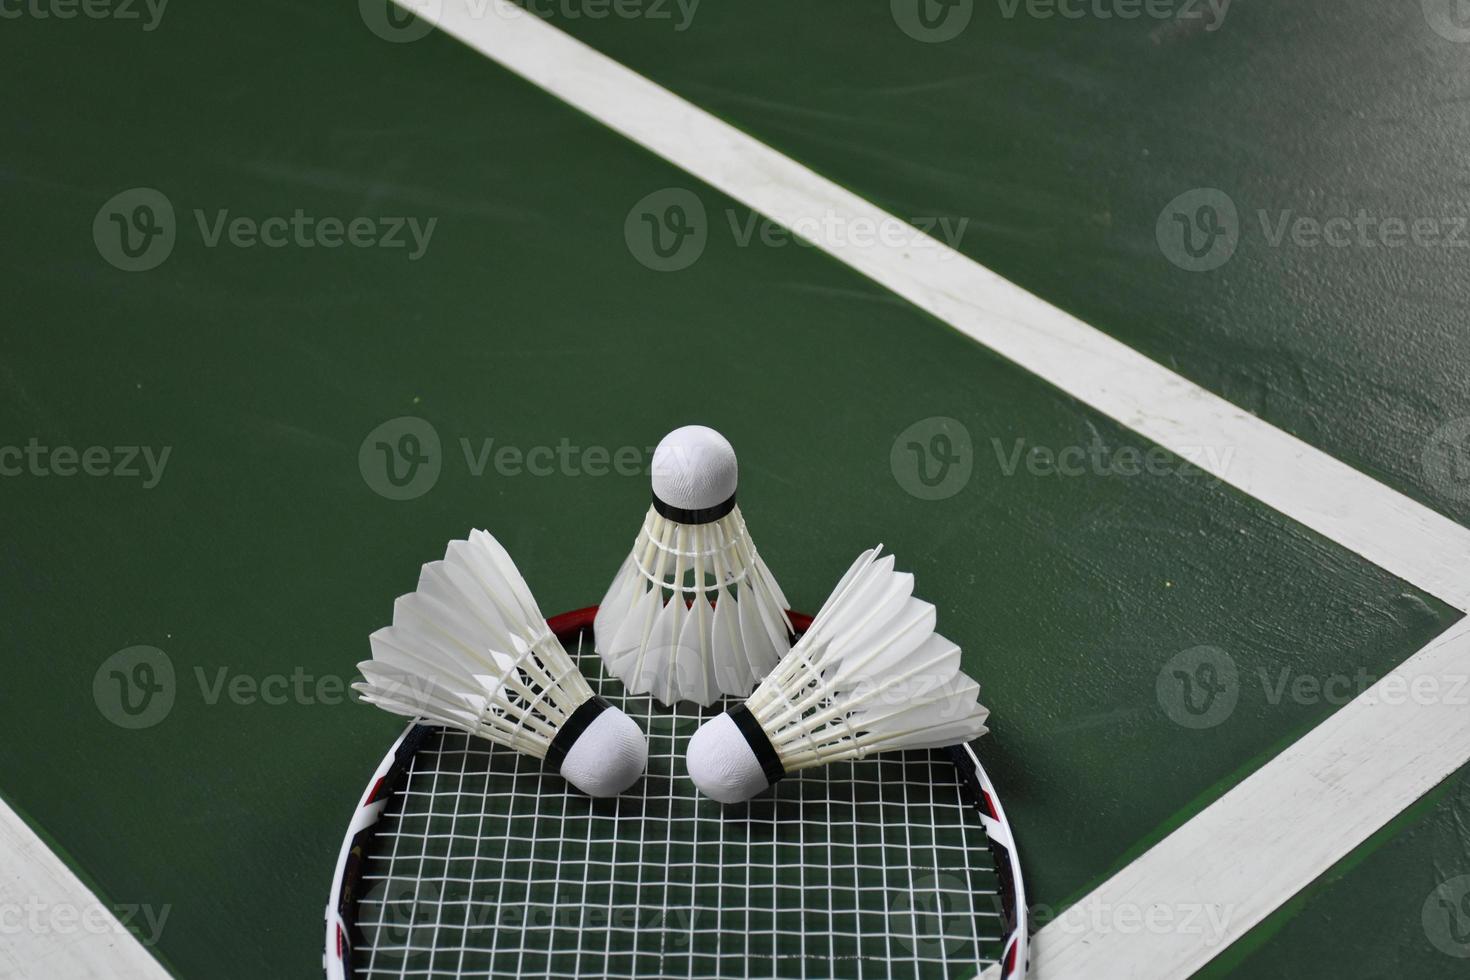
point(693, 612)
point(469, 649)
point(870, 675)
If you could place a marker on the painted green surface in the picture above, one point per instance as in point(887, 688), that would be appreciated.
point(1395, 907)
point(264, 551)
point(1062, 139)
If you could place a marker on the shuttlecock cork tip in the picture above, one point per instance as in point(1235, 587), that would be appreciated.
point(722, 763)
point(608, 756)
point(694, 475)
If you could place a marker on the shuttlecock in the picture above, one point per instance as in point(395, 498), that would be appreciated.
point(693, 612)
point(469, 649)
point(870, 675)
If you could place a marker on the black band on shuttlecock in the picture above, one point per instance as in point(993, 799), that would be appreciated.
point(682, 515)
point(759, 742)
point(585, 714)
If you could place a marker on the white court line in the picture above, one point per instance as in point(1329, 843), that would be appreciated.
point(1315, 801)
point(53, 927)
point(1404, 537)
point(1269, 836)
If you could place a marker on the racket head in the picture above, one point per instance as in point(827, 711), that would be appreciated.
point(465, 858)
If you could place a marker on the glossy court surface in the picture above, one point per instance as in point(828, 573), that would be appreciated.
point(528, 301)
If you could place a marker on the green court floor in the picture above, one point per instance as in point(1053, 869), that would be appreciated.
point(264, 547)
point(1062, 138)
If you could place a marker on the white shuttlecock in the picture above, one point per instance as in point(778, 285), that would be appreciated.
point(870, 675)
point(469, 649)
point(656, 628)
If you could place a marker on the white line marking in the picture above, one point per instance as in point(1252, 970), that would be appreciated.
point(1269, 837)
point(1281, 828)
point(53, 927)
point(1406, 538)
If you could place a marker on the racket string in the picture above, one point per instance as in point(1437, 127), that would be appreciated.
point(486, 864)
